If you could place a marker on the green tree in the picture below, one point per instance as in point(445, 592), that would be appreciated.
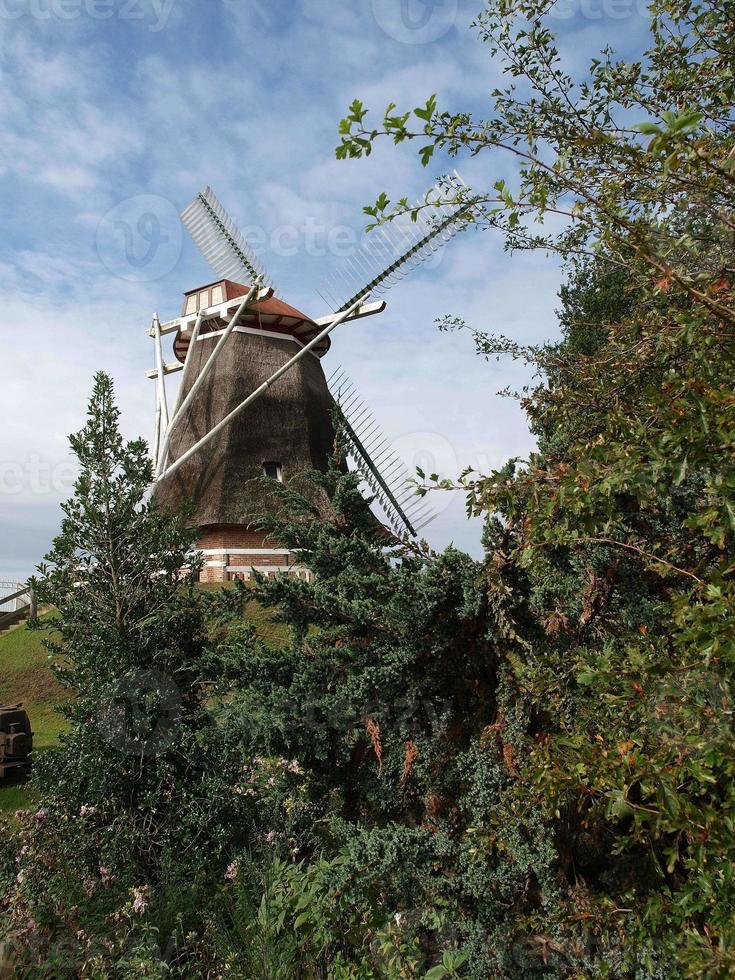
point(139, 796)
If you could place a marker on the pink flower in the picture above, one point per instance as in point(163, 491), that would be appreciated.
point(87, 811)
point(295, 768)
point(40, 815)
point(271, 781)
point(271, 837)
point(141, 898)
point(105, 875)
point(232, 871)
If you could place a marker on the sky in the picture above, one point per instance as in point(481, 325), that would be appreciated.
point(115, 113)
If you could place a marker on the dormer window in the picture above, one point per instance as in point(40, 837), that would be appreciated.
point(273, 470)
point(213, 295)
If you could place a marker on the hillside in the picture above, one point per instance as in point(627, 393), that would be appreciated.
point(26, 677)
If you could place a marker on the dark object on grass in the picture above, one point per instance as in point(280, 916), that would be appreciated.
point(16, 740)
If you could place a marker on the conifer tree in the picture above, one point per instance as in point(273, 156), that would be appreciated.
point(139, 796)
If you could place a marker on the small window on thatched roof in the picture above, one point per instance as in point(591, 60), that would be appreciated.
point(274, 471)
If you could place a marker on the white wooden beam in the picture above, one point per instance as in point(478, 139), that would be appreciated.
point(253, 295)
point(220, 310)
point(366, 309)
point(161, 379)
point(185, 323)
point(163, 455)
point(170, 368)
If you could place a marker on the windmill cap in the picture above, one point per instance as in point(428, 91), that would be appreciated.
point(269, 315)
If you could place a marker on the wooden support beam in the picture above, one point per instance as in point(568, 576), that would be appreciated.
point(167, 369)
point(367, 309)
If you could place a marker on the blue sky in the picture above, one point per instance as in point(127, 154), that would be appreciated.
point(115, 109)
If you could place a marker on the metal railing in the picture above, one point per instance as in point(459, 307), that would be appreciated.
point(16, 600)
point(9, 590)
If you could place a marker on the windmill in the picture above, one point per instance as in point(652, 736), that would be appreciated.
point(254, 400)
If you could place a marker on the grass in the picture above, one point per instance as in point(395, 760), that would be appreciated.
point(26, 676)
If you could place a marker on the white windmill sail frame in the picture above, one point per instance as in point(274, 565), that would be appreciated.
point(392, 250)
point(381, 468)
point(224, 247)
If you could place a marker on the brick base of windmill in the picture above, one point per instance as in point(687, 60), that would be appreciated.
point(232, 552)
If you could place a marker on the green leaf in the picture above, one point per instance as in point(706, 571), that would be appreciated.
point(648, 129)
point(428, 111)
point(586, 678)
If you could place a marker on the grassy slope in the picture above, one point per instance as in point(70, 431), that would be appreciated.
point(25, 676)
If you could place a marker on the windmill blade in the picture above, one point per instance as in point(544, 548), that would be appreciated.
point(380, 467)
point(221, 243)
point(394, 249)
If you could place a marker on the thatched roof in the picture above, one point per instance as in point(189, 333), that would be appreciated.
point(289, 424)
